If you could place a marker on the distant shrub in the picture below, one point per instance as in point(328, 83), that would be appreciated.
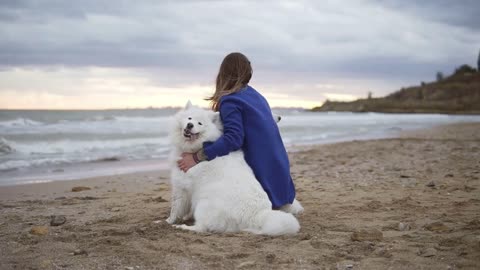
point(459, 93)
point(439, 76)
point(463, 69)
point(478, 62)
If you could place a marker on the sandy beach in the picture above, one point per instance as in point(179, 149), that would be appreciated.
point(411, 202)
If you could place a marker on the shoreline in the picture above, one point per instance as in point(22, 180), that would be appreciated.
point(86, 171)
point(154, 168)
point(409, 202)
point(99, 169)
point(54, 189)
point(82, 171)
point(39, 161)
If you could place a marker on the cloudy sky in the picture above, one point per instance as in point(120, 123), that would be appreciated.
point(117, 54)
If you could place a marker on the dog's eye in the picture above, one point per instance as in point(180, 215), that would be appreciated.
point(200, 123)
point(189, 118)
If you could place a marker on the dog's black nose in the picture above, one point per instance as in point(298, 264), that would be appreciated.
point(189, 125)
point(279, 118)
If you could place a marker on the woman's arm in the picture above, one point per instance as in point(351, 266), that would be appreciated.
point(233, 133)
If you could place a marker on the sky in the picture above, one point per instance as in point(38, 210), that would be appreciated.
point(96, 54)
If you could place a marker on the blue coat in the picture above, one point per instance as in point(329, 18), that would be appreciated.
point(248, 124)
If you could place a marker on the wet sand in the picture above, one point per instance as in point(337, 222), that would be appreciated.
point(411, 202)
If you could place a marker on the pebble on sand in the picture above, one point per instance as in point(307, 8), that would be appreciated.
point(247, 264)
point(159, 199)
point(428, 252)
point(431, 184)
point(367, 235)
point(383, 252)
point(270, 257)
point(57, 220)
point(403, 226)
point(79, 252)
point(39, 230)
point(436, 227)
point(80, 188)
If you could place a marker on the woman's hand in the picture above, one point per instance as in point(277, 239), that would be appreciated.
point(186, 162)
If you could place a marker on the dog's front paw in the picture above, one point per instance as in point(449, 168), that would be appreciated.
point(171, 220)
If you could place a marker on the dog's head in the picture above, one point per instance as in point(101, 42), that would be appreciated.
point(193, 126)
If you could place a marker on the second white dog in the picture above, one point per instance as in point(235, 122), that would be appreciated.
point(222, 194)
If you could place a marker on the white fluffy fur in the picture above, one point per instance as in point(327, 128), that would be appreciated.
point(223, 194)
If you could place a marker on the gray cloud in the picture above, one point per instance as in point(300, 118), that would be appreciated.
point(375, 39)
point(462, 13)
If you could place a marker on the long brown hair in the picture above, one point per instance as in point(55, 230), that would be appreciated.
point(235, 73)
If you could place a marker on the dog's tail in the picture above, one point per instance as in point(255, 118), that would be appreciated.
point(275, 222)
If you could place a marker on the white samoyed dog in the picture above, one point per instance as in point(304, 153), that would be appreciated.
point(223, 194)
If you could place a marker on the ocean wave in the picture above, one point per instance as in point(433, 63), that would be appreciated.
point(112, 118)
point(5, 147)
point(107, 159)
point(10, 165)
point(101, 118)
point(20, 122)
point(81, 147)
point(60, 160)
point(144, 118)
point(43, 153)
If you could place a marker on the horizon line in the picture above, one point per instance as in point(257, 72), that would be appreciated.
point(142, 108)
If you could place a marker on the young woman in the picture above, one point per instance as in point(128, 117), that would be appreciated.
point(248, 124)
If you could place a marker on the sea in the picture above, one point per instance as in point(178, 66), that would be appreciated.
point(51, 145)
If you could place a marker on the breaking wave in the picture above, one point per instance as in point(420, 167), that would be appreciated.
point(19, 122)
point(5, 147)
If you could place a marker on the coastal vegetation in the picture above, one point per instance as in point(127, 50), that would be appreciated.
point(458, 93)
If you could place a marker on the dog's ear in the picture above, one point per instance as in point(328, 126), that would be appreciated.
point(277, 117)
point(188, 105)
point(215, 117)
